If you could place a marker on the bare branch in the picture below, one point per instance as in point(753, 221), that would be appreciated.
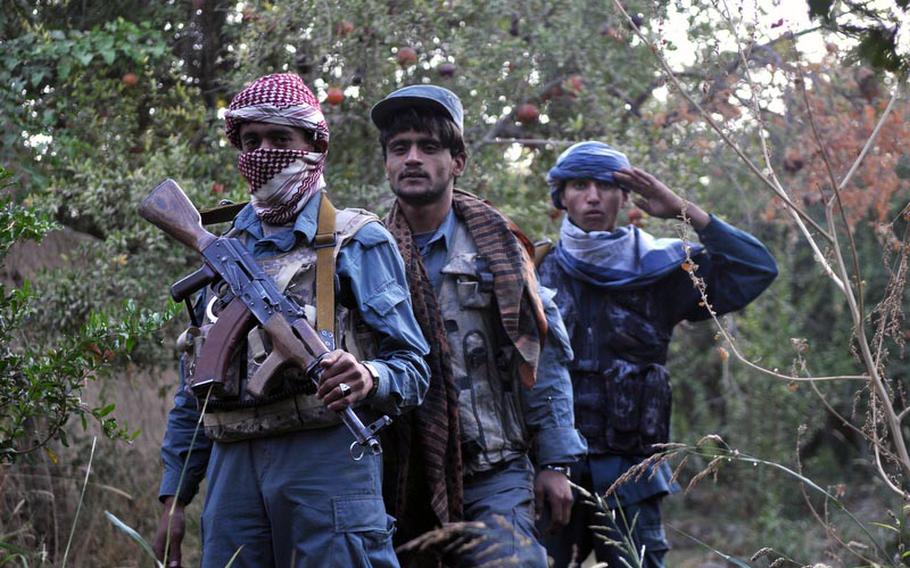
point(823, 150)
point(823, 521)
point(528, 141)
point(766, 151)
point(837, 414)
point(855, 302)
point(778, 191)
point(872, 137)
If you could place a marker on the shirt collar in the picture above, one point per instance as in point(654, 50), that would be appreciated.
point(443, 232)
point(304, 226)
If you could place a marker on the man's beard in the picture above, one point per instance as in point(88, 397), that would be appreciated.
point(423, 196)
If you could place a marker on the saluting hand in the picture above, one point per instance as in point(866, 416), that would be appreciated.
point(656, 199)
point(342, 367)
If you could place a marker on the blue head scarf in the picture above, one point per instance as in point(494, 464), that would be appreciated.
point(621, 259)
point(585, 160)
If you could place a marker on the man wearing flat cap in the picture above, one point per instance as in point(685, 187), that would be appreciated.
point(494, 439)
point(621, 292)
point(283, 489)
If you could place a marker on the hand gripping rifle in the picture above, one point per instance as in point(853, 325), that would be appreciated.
point(255, 297)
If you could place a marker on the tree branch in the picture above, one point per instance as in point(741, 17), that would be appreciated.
point(781, 194)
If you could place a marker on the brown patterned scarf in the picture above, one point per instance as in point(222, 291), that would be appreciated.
point(510, 255)
point(431, 433)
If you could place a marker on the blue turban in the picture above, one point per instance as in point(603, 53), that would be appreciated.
point(585, 160)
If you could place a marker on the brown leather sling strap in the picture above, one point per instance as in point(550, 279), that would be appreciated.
point(324, 243)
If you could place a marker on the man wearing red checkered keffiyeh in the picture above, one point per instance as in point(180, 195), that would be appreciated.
point(282, 487)
point(282, 175)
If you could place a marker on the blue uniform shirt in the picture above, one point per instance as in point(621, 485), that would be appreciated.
point(369, 277)
point(548, 407)
point(737, 268)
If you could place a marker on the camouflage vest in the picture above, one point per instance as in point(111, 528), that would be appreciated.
point(620, 382)
point(492, 426)
point(291, 404)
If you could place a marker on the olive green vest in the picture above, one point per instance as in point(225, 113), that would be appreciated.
point(483, 360)
point(239, 416)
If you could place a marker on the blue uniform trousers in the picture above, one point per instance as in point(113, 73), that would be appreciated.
point(503, 499)
point(296, 500)
point(633, 525)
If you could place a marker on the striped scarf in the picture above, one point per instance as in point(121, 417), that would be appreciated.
point(509, 253)
point(622, 259)
point(281, 181)
point(431, 433)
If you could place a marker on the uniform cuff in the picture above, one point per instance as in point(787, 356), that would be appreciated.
point(384, 386)
point(714, 230)
point(170, 483)
point(559, 445)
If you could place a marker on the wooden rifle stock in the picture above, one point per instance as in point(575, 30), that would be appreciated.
point(287, 341)
point(169, 209)
point(223, 339)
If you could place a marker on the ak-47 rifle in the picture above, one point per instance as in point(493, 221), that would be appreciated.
point(253, 296)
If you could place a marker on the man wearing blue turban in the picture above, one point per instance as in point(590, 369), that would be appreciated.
point(621, 292)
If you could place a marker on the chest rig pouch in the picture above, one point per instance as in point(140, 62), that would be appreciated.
point(306, 275)
point(633, 352)
point(623, 395)
point(483, 363)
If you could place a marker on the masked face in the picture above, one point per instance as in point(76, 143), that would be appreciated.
point(254, 135)
point(280, 167)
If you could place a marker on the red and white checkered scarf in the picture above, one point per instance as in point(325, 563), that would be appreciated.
point(281, 181)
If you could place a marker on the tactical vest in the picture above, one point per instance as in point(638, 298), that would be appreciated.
point(620, 382)
point(483, 362)
point(291, 404)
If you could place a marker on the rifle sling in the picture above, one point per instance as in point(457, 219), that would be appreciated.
point(324, 243)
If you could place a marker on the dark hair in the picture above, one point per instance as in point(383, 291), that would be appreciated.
point(425, 121)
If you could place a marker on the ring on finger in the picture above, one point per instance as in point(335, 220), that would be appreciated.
point(345, 389)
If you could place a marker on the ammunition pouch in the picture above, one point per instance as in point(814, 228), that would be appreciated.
point(289, 414)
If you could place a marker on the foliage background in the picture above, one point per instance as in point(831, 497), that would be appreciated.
point(100, 101)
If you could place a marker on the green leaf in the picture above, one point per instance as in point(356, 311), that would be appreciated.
point(12, 548)
point(130, 532)
point(109, 55)
point(105, 411)
point(84, 57)
point(37, 76)
point(879, 48)
point(64, 68)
